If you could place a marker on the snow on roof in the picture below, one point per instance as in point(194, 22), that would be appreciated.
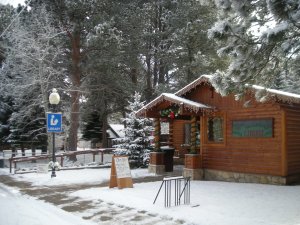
point(195, 83)
point(195, 106)
point(118, 129)
point(282, 95)
point(189, 104)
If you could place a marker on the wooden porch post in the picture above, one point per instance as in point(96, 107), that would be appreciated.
point(156, 134)
point(193, 133)
point(171, 128)
point(157, 161)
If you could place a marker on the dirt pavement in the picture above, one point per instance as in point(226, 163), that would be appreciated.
point(96, 210)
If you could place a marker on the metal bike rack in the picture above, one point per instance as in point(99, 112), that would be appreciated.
point(182, 187)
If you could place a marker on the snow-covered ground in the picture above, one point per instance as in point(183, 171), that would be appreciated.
point(76, 176)
point(16, 209)
point(212, 203)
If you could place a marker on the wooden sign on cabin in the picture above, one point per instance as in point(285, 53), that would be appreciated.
point(253, 128)
point(120, 175)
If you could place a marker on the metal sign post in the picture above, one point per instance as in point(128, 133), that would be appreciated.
point(54, 125)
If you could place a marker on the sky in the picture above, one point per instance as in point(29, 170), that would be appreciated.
point(12, 2)
point(213, 203)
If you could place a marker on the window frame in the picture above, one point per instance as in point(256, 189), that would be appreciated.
point(205, 126)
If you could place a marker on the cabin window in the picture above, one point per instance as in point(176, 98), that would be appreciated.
point(215, 131)
point(198, 135)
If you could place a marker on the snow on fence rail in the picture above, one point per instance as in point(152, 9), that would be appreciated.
point(14, 160)
point(27, 152)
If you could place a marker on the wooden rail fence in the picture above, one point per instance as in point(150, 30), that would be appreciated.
point(94, 152)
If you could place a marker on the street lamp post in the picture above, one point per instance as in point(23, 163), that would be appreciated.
point(54, 99)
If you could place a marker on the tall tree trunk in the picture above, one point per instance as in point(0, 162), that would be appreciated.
point(75, 94)
point(161, 65)
point(161, 74)
point(155, 43)
point(155, 70)
point(133, 75)
point(148, 79)
point(74, 121)
point(189, 77)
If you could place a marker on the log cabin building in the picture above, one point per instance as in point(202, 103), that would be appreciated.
point(237, 140)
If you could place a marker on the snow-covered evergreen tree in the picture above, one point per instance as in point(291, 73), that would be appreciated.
point(28, 72)
point(5, 113)
point(137, 132)
point(261, 40)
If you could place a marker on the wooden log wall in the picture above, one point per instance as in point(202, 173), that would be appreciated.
point(248, 155)
point(241, 154)
point(171, 132)
point(178, 133)
point(178, 136)
point(292, 114)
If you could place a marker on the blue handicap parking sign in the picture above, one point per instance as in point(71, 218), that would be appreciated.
point(54, 122)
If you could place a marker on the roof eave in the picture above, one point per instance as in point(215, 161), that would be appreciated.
point(177, 100)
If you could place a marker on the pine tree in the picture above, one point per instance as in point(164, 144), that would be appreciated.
point(193, 53)
point(92, 128)
point(6, 15)
point(106, 86)
point(261, 40)
point(137, 132)
point(5, 113)
point(28, 73)
point(75, 19)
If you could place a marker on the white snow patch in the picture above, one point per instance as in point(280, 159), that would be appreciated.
point(77, 176)
point(212, 203)
point(17, 209)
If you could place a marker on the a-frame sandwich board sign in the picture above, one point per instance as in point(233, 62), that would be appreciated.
point(120, 175)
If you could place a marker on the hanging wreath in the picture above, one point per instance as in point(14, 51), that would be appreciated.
point(170, 113)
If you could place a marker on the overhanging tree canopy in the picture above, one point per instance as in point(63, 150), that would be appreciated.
point(261, 38)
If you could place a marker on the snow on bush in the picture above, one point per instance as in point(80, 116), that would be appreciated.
point(137, 135)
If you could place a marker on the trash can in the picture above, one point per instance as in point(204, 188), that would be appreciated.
point(168, 158)
point(1, 163)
